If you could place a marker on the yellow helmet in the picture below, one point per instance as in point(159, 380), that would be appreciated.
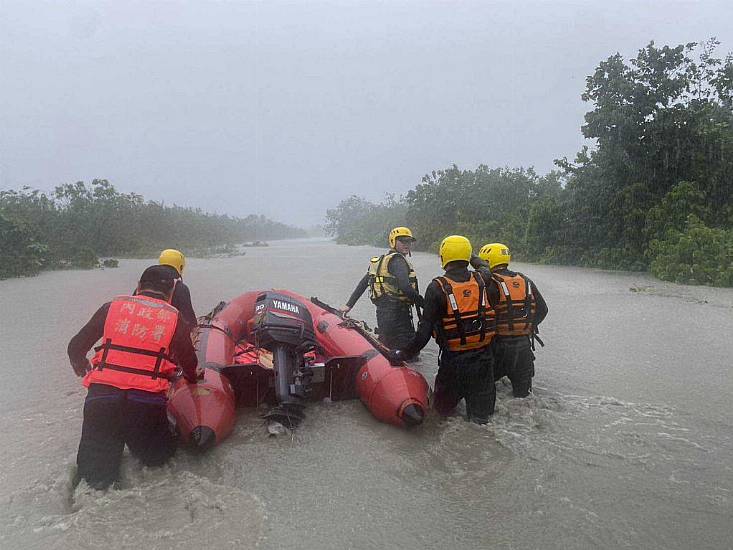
point(495, 254)
point(399, 232)
point(173, 258)
point(455, 247)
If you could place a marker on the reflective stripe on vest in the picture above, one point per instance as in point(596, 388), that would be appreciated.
point(517, 307)
point(383, 283)
point(134, 354)
point(470, 321)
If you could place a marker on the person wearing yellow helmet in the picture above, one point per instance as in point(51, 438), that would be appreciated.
point(520, 309)
point(459, 314)
point(393, 288)
point(175, 261)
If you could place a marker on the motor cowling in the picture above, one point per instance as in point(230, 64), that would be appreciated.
point(281, 320)
point(285, 327)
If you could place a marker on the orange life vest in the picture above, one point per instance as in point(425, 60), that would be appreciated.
point(135, 345)
point(515, 312)
point(470, 320)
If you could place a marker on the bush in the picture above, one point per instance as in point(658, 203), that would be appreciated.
point(698, 255)
point(20, 254)
point(79, 222)
point(84, 258)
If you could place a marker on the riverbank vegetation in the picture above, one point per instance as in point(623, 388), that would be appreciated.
point(77, 223)
point(653, 192)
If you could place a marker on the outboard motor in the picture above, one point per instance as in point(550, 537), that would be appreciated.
point(285, 327)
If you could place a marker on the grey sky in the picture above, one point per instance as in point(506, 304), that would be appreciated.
point(286, 108)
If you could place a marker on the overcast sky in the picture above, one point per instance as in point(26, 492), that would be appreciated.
point(285, 108)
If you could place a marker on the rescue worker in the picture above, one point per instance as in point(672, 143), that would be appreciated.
point(144, 338)
point(520, 309)
point(393, 289)
point(459, 314)
point(176, 261)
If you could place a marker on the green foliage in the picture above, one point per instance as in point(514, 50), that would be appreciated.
point(696, 255)
point(110, 262)
point(547, 225)
point(660, 121)
point(20, 254)
point(357, 221)
point(484, 204)
point(674, 209)
point(78, 223)
point(662, 126)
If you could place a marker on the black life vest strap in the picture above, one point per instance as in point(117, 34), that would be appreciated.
point(116, 347)
point(131, 370)
point(160, 356)
point(509, 314)
point(448, 290)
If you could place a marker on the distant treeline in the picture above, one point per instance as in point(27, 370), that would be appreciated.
point(653, 193)
point(77, 223)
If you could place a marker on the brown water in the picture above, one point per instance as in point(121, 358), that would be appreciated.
point(625, 443)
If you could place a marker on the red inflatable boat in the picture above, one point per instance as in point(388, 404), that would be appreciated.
point(279, 348)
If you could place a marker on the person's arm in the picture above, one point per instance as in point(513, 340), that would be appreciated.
point(83, 341)
point(477, 263)
point(182, 350)
point(433, 310)
point(399, 268)
point(492, 289)
point(541, 312)
point(182, 302)
point(358, 291)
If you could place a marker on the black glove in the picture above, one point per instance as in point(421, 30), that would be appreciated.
point(80, 369)
point(477, 262)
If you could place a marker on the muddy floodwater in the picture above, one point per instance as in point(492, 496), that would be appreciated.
point(626, 442)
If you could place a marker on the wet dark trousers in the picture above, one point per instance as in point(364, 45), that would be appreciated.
point(513, 357)
point(113, 418)
point(394, 322)
point(466, 375)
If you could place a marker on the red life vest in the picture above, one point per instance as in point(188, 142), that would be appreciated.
point(470, 320)
point(135, 350)
point(515, 312)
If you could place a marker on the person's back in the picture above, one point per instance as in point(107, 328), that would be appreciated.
point(521, 308)
point(459, 314)
point(143, 341)
point(181, 299)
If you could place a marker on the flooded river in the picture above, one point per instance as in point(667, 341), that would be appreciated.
point(625, 443)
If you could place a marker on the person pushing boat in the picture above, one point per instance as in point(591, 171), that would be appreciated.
point(144, 340)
